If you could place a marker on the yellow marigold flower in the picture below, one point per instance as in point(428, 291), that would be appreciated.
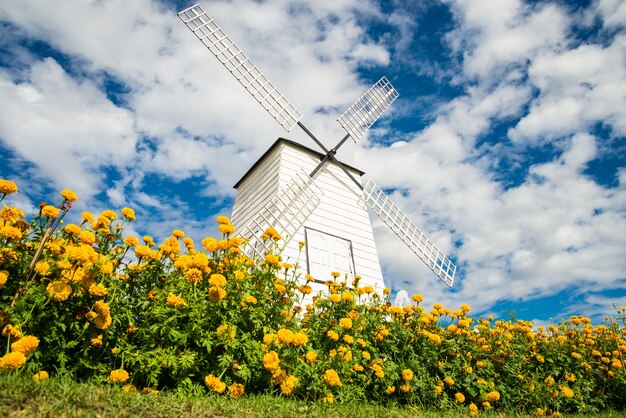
point(570, 377)
point(335, 298)
point(332, 378)
point(417, 298)
point(567, 392)
point(128, 214)
point(59, 290)
point(69, 195)
point(332, 335)
point(272, 259)
point(223, 220)
point(97, 290)
point(335, 274)
point(10, 232)
point(217, 280)
point(329, 399)
point(345, 323)
point(10, 330)
point(129, 388)
point(50, 211)
point(42, 268)
point(119, 376)
point(390, 390)
point(299, 339)
point(178, 233)
point(40, 375)
point(347, 296)
point(288, 385)
point(193, 275)
point(448, 381)
point(87, 217)
point(226, 331)
point(381, 333)
point(236, 390)
point(473, 409)
point(216, 293)
point(271, 361)
point(492, 396)
point(12, 361)
point(386, 291)
point(576, 355)
point(285, 336)
point(103, 321)
point(311, 356)
point(73, 229)
point(226, 229)
point(96, 341)
point(4, 276)
point(26, 345)
point(109, 214)
point(407, 374)
point(174, 301)
point(7, 187)
point(438, 389)
point(131, 241)
point(368, 289)
point(349, 339)
point(142, 251)
point(460, 398)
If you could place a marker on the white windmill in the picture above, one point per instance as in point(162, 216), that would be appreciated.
point(310, 196)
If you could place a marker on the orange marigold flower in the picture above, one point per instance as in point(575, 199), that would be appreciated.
point(332, 378)
point(109, 214)
point(26, 345)
point(10, 232)
point(131, 241)
point(193, 275)
point(299, 339)
point(236, 390)
point(390, 390)
point(311, 356)
point(7, 187)
point(97, 290)
point(174, 301)
point(332, 335)
point(407, 374)
point(217, 280)
point(69, 195)
point(178, 233)
point(460, 398)
point(492, 396)
point(216, 293)
point(345, 323)
point(448, 381)
point(226, 229)
point(271, 361)
point(128, 214)
point(12, 361)
point(119, 375)
point(222, 220)
point(288, 385)
point(59, 290)
point(40, 375)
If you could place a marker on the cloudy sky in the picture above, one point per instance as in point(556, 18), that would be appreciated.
point(507, 144)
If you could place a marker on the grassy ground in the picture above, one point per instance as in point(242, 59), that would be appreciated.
point(22, 397)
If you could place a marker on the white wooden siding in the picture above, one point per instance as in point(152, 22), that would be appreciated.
point(340, 213)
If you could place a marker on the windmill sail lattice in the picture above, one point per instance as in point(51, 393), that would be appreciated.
point(364, 112)
point(240, 66)
point(286, 212)
point(402, 226)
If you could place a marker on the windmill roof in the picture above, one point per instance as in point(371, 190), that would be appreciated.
point(280, 141)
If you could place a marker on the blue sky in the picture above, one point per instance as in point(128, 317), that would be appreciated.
point(507, 143)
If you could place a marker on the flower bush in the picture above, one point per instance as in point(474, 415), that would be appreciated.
point(87, 300)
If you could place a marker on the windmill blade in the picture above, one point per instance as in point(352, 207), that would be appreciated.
point(380, 203)
point(240, 66)
point(365, 111)
point(286, 212)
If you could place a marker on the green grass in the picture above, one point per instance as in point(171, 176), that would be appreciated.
point(22, 397)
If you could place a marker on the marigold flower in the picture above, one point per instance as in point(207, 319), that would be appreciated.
point(26, 345)
point(129, 388)
point(347, 296)
point(226, 229)
point(131, 241)
point(73, 229)
point(236, 390)
point(10, 232)
point(405, 388)
point(368, 289)
point(492, 396)
point(417, 298)
point(311, 356)
point(473, 409)
point(386, 291)
point(7, 187)
point(448, 381)
point(332, 335)
point(332, 378)
point(193, 275)
point(217, 280)
point(216, 293)
point(576, 355)
point(288, 385)
point(4, 276)
point(299, 339)
point(59, 290)
point(335, 274)
point(407, 374)
point(119, 375)
point(69, 195)
point(87, 237)
point(460, 398)
point(271, 361)
point(251, 300)
point(40, 375)
point(87, 217)
point(109, 214)
point(97, 290)
point(96, 341)
point(174, 301)
point(50, 211)
point(128, 214)
point(12, 361)
point(226, 331)
point(272, 259)
point(334, 298)
point(348, 339)
point(390, 390)
point(222, 220)
point(10, 330)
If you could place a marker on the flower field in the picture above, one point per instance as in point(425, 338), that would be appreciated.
point(89, 301)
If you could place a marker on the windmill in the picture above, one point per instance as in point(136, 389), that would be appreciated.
point(310, 196)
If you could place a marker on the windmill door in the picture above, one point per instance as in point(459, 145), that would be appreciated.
point(327, 253)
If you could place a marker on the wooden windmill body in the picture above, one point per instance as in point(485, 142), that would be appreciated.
point(332, 221)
